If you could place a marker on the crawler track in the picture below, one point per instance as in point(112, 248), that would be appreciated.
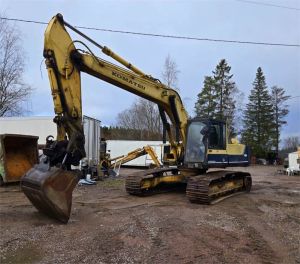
point(134, 183)
point(217, 185)
point(209, 188)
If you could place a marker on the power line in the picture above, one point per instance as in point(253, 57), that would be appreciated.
point(164, 36)
point(267, 4)
point(23, 20)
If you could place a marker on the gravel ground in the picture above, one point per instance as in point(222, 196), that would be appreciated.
point(109, 226)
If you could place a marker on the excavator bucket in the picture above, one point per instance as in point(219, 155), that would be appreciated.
point(50, 190)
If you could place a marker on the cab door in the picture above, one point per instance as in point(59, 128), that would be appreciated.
point(217, 153)
point(196, 146)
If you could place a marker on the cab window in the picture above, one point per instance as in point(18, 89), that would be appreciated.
point(195, 147)
point(217, 136)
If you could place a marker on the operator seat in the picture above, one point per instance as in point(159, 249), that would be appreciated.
point(213, 137)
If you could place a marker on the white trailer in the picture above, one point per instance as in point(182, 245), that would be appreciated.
point(43, 126)
point(294, 160)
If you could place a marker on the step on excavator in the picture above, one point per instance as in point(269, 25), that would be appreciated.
point(195, 145)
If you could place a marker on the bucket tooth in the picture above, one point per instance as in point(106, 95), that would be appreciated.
point(50, 190)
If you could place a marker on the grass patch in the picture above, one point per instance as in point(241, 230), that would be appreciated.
point(112, 183)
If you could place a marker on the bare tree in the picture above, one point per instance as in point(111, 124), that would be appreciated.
point(291, 143)
point(143, 115)
point(280, 108)
point(13, 90)
point(170, 73)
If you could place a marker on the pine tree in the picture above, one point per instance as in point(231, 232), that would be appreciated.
point(225, 91)
point(216, 100)
point(280, 109)
point(258, 118)
point(206, 103)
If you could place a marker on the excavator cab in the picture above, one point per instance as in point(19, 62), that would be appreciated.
point(203, 136)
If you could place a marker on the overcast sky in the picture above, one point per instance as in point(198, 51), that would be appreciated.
point(228, 19)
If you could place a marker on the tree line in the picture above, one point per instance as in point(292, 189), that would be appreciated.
point(123, 133)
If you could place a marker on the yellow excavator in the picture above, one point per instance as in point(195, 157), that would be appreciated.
point(195, 145)
point(112, 165)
